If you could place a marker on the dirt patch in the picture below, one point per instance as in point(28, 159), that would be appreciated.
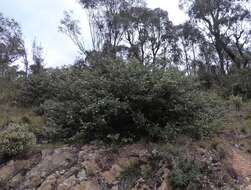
point(239, 162)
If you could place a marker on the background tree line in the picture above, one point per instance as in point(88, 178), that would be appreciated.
point(212, 44)
point(215, 38)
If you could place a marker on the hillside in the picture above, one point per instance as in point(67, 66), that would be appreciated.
point(146, 103)
point(221, 162)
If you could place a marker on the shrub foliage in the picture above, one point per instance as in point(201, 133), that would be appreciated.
point(125, 100)
point(15, 140)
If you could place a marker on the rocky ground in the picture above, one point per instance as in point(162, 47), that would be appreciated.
point(96, 167)
point(86, 168)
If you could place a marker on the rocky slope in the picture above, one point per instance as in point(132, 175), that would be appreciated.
point(85, 168)
point(134, 167)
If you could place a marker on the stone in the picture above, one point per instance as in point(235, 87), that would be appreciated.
point(87, 185)
point(111, 175)
point(115, 187)
point(15, 181)
point(165, 186)
point(68, 183)
point(82, 175)
point(62, 172)
point(49, 183)
point(70, 172)
point(91, 167)
point(7, 172)
point(34, 181)
point(128, 162)
point(51, 161)
point(46, 187)
point(11, 169)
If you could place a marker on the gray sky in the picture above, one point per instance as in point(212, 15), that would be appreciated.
point(40, 20)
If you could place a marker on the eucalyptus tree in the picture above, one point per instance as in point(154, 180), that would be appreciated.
point(161, 32)
point(148, 34)
point(38, 59)
point(221, 20)
point(11, 44)
point(125, 28)
point(106, 22)
point(72, 29)
point(190, 39)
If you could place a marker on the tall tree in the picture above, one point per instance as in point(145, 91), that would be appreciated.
point(11, 43)
point(190, 41)
point(38, 60)
point(220, 18)
point(148, 34)
point(71, 28)
point(127, 28)
point(105, 21)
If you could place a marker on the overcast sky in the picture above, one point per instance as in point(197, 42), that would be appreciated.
point(40, 20)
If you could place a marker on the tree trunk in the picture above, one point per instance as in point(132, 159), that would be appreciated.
point(221, 57)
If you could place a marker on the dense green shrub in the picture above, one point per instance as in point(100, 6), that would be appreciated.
point(8, 91)
point(127, 100)
point(36, 89)
point(15, 140)
point(237, 83)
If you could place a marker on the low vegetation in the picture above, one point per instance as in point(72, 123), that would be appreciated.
point(128, 100)
point(15, 139)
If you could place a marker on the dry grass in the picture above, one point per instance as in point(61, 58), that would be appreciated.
point(13, 114)
point(237, 127)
